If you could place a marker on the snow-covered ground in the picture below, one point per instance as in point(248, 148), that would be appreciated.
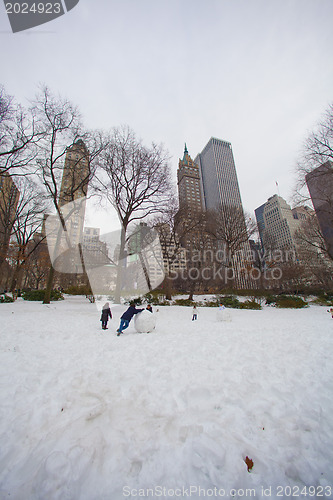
point(87, 415)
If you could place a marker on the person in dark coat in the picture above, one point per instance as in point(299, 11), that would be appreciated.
point(149, 308)
point(126, 318)
point(106, 314)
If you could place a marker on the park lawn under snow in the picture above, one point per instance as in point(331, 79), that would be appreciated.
point(87, 415)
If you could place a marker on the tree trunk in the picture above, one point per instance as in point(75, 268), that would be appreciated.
point(145, 271)
point(120, 269)
point(17, 275)
point(168, 288)
point(49, 285)
point(192, 290)
point(16, 279)
point(47, 296)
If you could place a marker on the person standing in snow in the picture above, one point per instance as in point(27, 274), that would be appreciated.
point(149, 308)
point(126, 317)
point(106, 314)
point(194, 313)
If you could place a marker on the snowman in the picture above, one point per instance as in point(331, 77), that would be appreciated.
point(145, 321)
point(223, 314)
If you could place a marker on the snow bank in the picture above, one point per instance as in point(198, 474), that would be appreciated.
point(87, 416)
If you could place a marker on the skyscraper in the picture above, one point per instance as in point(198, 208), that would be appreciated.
point(73, 191)
point(75, 177)
point(221, 191)
point(207, 184)
point(9, 198)
point(189, 184)
point(320, 185)
point(277, 224)
point(218, 175)
point(191, 204)
point(65, 245)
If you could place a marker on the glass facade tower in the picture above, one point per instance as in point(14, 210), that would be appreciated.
point(218, 175)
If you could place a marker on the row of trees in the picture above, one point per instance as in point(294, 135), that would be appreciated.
point(135, 179)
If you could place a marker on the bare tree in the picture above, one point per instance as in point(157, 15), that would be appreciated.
point(61, 129)
point(313, 252)
point(175, 226)
point(19, 135)
point(136, 181)
point(38, 264)
point(315, 169)
point(232, 230)
point(28, 221)
point(318, 147)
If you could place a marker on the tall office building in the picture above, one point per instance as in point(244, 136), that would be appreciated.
point(320, 185)
point(277, 224)
point(189, 184)
point(302, 213)
point(191, 204)
point(259, 213)
point(9, 198)
point(74, 187)
point(210, 183)
point(64, 245)
point(95, 251)
point(221, 190)
point(218, 175)
point(75, 177)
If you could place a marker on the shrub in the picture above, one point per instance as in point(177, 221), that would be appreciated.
point(211, 303)
point(79, 290)
point(162, 303)
point(288, 301)
point(324, 299)
point(156, 298)
point(270, 299)
point(137, 301)
point(4, 299)
point(228, 301)
point(38, 295)
point(183, 302)
point(250, 304)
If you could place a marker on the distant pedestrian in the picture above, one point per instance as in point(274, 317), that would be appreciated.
point(106, 314)
point(149, 308)
point(126, 318)
point(194, 313)
point(331, 311)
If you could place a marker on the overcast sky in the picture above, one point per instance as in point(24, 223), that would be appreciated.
point(257, 73)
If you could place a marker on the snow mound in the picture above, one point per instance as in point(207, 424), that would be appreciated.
point(223, 315)
point(145, 322)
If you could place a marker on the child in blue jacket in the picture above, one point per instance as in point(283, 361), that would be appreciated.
point(126, 318)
